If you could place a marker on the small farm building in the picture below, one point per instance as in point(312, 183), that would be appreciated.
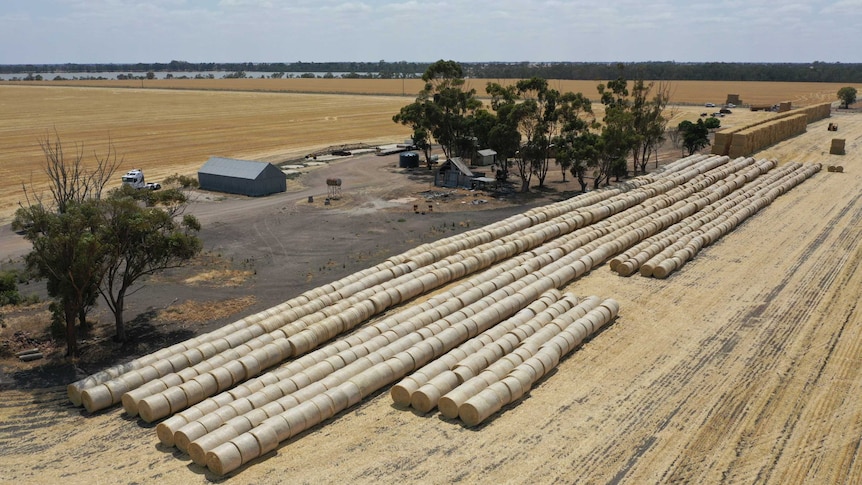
point(453, 173)
point(244, 177)
point(486, 157)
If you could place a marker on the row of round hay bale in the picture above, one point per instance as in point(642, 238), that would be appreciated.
point(351, 316)
point(637, 221)
point(424, 391)
point(213, 343)
point(166, 432)
point(367, 381)
point(762, 196)
point(474, 377)
point(648, 254)
point(74, 389)
point(519, 381)
point(341, 288)
point(346, 356)
point(402, 391)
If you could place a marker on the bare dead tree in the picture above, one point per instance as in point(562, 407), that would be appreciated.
point(104, 170)
point(62, 252)
point(69, 180)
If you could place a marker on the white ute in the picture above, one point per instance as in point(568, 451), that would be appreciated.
point(135, 179)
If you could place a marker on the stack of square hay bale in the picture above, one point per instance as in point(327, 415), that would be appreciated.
point(726, 139)
point(748, 141)
point(837, 147)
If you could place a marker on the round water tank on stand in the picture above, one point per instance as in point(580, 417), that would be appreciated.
point(408, 160)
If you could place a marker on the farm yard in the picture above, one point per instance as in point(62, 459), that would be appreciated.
point(741, 366)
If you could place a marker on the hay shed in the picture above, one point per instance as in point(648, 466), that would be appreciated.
point(244, 177)
point(453, 173)
point(486, 157)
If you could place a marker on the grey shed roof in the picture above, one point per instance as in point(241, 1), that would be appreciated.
point(461, 166)
point(487, 152)
point(231, 167)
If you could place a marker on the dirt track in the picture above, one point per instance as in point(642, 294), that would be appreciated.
point(744, 367)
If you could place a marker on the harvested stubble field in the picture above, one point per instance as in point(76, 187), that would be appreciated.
point(742, 367)
point(175, 126)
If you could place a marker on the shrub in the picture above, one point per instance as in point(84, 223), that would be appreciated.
point(712, 123)
point(9, 288)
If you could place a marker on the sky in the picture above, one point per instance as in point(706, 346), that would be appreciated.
point(130, 31)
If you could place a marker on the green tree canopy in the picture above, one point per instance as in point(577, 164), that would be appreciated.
point(442, 109)
point(138, 240)
point(712, 123)
point(694, 135)
point(618, 135)
point(847, 95)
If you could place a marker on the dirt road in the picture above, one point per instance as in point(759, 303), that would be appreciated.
point(743, 367)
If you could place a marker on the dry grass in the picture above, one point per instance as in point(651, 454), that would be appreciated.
point(220, 277)
point(201, 312)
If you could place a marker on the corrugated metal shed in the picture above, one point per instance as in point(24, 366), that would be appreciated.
point(486, 157)
point(245, 177)
point(453, 173)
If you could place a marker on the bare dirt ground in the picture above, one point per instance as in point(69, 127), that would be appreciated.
point(743, 367)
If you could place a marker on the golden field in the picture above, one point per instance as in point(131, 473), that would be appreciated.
point(174, 126)
point(683, 92)
point(743, 367)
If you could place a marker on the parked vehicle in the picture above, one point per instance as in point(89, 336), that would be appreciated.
point(710, 105)
point(135, 178)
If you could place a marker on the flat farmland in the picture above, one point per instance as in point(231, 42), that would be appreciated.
point(682, 92)
point(169, 131)
point(174, 126)
point(743, 367)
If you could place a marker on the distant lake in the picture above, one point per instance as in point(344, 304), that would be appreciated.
point(49, 76)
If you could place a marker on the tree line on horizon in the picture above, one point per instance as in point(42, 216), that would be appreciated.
point(654, 70)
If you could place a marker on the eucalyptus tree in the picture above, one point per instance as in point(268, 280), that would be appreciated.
point(618, 135)
point(442, 110)
point(504, 137)
point(575, 117)
point(141, 239)
point(648, 120)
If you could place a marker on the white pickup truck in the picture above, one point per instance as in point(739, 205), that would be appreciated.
point(135, 179)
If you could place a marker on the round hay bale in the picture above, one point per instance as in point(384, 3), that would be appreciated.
point(223, 459)
point(479, 407)
point(266, 436)
point(190, 433)
point(248, 447)
point(307, 415)
point(449, 403)
point(96, 398)
point(425, 398)
point(154, 407)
